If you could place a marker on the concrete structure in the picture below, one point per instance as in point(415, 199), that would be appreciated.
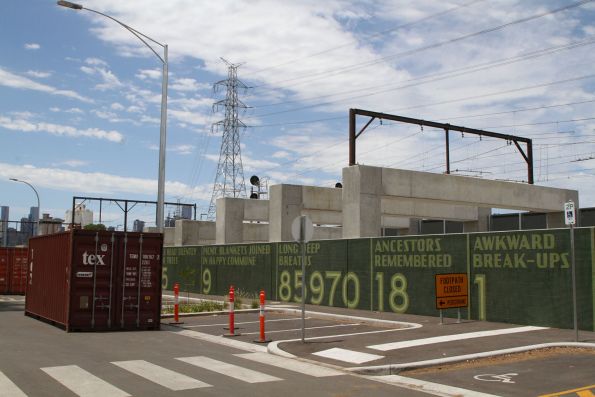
point(82, 216)
point(371, 193)
point(49, 225)
point(374, 202)
point(188, 232)
point(4, 217)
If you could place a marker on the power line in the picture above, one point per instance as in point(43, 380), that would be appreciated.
point(431, 78)
point(428, 47)
point(378, 34)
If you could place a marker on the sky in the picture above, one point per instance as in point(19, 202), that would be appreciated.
point(80, 96)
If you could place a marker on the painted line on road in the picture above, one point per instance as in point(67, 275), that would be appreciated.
point(231, 370)
point(83, 383)
point(299, 329)
point(450, 338)
point(348, 356)
point(8, 388)
point(301, 367)
point(220, 340)
point(162, 376)
point(436, 389)
point(243, 322)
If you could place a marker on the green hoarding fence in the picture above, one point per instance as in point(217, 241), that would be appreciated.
point(520, 277)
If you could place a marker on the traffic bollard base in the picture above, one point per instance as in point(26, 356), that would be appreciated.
point(175, 322)
point(230, 335)
point(262, 341)
point(227, 328)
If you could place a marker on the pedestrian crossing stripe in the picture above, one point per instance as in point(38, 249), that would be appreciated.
point(301, 367)
point(8, 388)
point(83, 383)
point(231, 370)
point(162, 376)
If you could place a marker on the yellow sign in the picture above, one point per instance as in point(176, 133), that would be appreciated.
point(451, 290)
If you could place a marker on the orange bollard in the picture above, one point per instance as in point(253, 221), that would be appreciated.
point(261, 316)
point(231, 313)
point(176, 305)
point(176, 302)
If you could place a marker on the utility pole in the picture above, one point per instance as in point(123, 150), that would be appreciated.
point(229, 181)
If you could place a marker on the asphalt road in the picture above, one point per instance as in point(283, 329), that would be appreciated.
point(38, 359)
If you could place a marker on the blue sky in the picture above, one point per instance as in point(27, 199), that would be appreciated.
point(80, 96)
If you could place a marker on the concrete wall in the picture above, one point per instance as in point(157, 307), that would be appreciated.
point(322, 205)
point(231, 214)
point(189, 232)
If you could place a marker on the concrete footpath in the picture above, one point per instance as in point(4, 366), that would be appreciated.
point(388, 343)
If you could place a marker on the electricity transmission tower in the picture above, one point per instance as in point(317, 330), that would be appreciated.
point(229, 181)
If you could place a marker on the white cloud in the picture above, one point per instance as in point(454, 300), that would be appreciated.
point(12, 80)
point(38, 74)
point(179, 149)
point(56, 109)
point(71, 163)
point(95, 62)
point(32, 46)
point(186, 84)
point(96, 182)
point(144, 74)
point(24, 125)
point(117, 106)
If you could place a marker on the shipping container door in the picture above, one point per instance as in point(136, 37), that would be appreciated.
point(93, 275)
point(139, 295)
point(18, 272)
point(4, 276)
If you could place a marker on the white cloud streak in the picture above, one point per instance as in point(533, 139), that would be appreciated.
point(12, 80)
point(23, 125)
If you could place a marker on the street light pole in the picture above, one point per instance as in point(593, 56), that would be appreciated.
point(163, 126)
point(38, 205)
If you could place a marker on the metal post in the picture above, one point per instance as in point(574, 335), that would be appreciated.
point(162, 140)
point(573, 267)
point(351, 137)
point(303, 243)
point(447, 137)
point(530, 162)
point(125, 215)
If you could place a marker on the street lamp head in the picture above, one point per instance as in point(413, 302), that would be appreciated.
point(68, 4)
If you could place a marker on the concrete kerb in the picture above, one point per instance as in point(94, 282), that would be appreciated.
point(394, 369)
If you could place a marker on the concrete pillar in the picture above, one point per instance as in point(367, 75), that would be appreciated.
point(285, 204)
point(229, 220)
point(414, 226)
point(482, 224)
point(362, 190)
point(189, 232)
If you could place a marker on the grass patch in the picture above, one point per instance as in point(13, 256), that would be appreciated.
point(204, 306)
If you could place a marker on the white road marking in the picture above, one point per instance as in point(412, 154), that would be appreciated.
point(299, 329)
point(234, 371)
point(83, 383)
point(236, 344)
point(349, 356)
point(244, 322)
point(448, 338)
point(428, 387)
point(162, 376)
point(8, 388)
point(301, 367)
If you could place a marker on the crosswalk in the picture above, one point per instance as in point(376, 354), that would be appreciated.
point(5, 298)
point(82, 382)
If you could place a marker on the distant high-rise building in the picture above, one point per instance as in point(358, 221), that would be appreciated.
point(4, 212)
point(138, 226)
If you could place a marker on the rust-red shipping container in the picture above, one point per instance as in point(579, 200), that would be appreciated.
point(13, 270)
point(86, 280)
